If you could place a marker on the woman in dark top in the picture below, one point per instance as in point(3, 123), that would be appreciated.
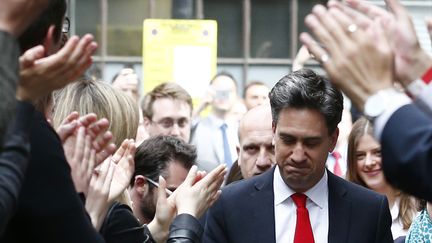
point(120, 225)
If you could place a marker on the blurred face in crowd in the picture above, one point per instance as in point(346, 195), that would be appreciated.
point(256, 95)
point(174, 175)
point(225, 93)
point(369, 168)
point(237, 111)
point(256, 152)
point(127, 81)
point(302, 144)
point(171, 117)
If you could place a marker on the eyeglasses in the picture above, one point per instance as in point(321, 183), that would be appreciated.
point(154, 183)
point(66, 25)
point(168, 123)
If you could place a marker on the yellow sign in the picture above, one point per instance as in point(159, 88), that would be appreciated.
point(181, 51)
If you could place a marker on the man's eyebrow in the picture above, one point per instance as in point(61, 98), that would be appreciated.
point(285, 135)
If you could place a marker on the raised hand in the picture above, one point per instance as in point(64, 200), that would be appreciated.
point(358, 60)
point(124, 168)
point(81, 159)
point(195, 198)
point(80, 135)
point(411, 61)
point(97, 202)
point(40, 75)
point(165, 213)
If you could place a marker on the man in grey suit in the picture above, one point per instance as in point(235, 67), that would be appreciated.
point(299, 200)
point(216, 135)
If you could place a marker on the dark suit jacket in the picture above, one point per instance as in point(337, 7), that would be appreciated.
point(407, 151)
point(245, 213)
point(8, 79)
point(14, 158)
point(49, 209)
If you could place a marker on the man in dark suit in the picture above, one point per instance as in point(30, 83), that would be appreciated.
point(299, 200)
point(403, 126)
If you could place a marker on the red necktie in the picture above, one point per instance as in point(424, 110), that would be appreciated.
point(303, 231)
point(337, 169)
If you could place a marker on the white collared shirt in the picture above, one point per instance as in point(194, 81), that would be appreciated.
point(330, 163)
point(285, 209)
point(397, 226)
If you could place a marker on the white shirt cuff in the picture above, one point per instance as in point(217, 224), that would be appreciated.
point(425, 96)
point(398, 100)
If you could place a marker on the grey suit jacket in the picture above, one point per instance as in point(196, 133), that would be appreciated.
point(245, 213)
point(207, 138)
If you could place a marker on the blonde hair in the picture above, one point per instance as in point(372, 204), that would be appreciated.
point(88, 96)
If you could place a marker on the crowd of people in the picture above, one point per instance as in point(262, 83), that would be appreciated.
point(85, 160)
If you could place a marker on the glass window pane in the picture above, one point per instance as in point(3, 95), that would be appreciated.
point(125, 23)
point(87, 19)
point(270, 34)
point(125, 27)
point(228, 14)
point(125, 19)
point(305, 8)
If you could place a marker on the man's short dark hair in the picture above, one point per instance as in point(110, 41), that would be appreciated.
point(154, 154)
point(53, 15)
point(226, 74)
point(306, 89)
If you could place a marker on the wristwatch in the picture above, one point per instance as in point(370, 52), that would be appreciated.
point(377, 103)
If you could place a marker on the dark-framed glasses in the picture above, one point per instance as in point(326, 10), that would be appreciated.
point(154, 183)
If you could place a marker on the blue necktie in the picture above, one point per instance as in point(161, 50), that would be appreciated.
point(227, 151)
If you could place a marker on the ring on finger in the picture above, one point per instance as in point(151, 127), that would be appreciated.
point(352, 28)
point(324, 58)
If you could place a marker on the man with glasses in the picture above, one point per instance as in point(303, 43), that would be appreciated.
point(165, 156)
point(167, 110)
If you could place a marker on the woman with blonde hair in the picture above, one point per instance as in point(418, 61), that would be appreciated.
point(119, 224)
point(365, 169)
point(88, 96)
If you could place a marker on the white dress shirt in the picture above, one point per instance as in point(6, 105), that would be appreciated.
point(286, 214)
point(397, 226)
point(330, 163)
point(398, 100)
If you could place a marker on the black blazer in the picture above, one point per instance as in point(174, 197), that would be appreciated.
point(407, 151)
point(49, 209)
point(245, 213)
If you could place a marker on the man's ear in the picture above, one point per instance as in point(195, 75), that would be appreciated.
point(146, 122)
point(141, 185)
point(333, 139)
point(49, 42)
point(273, 127)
